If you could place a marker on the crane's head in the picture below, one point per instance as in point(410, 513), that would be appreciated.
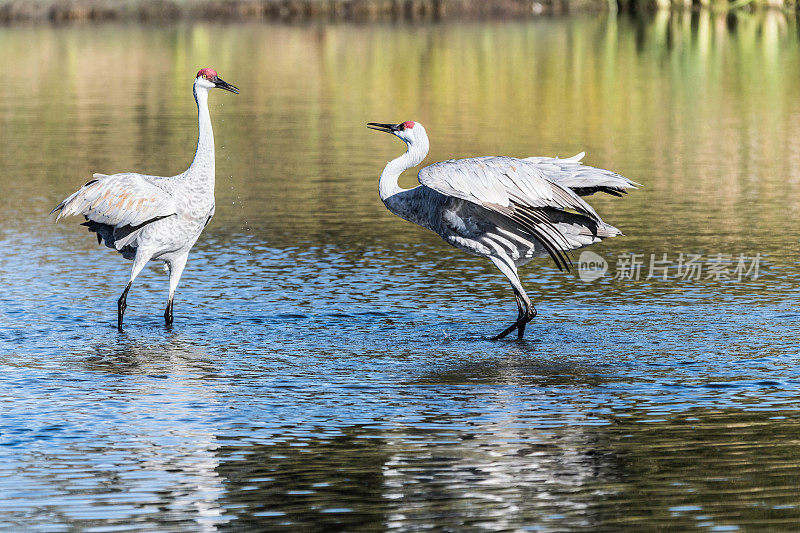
point(409, 131)
point(207, 79)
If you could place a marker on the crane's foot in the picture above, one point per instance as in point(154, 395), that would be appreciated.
point(121, 306)
point(519, 325)
point(168, 314)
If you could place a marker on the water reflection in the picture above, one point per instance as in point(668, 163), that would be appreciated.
point(313, 484)
point(151, 456)
point(327, 369)
point(149, 355)
point(507, 475)
point(732, 470)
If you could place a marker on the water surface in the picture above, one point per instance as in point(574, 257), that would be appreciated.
point(328, 367)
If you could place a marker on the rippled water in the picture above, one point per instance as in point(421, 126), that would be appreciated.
point(327, 368)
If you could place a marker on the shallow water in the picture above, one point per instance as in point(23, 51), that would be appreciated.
point(328, 368)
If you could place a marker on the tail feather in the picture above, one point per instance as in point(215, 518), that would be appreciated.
point(607, 230)
point(107, 235)
point(582, 179)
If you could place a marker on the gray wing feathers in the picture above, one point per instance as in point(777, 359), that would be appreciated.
point(582, 179)
point(504, 182)
point(529, 193)
point(127, 201)
point(119, 200)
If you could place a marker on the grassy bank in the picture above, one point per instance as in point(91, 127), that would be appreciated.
point(357, 10)
point(76, 10)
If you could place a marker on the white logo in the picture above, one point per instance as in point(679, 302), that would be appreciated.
point(591, 266)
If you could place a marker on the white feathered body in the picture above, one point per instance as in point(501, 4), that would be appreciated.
point(160, 216)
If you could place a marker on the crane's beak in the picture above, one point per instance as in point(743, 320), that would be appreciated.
point(222, 84)
point(388, 128)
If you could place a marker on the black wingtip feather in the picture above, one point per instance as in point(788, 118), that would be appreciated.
point(536, 222)
point(588, 191)
point(540, 222)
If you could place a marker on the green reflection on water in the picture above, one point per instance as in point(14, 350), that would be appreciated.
point(700, 109)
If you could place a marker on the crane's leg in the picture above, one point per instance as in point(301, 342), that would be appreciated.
point(175, 270)
point(525, 308)
point(141, 259)
point(122, 305)
point(527, 312)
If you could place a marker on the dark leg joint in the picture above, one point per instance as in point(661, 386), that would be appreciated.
point(523, 321)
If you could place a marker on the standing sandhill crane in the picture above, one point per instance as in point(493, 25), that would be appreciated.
point(153, 217)
point(509, 210)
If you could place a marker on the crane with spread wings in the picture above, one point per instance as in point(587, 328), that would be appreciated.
point(507, 209)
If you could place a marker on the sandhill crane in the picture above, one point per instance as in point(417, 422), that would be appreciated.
point(507, 209)
point(153, 217)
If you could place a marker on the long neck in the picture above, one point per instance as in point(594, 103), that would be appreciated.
point(388, 185)
point(204, 156)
